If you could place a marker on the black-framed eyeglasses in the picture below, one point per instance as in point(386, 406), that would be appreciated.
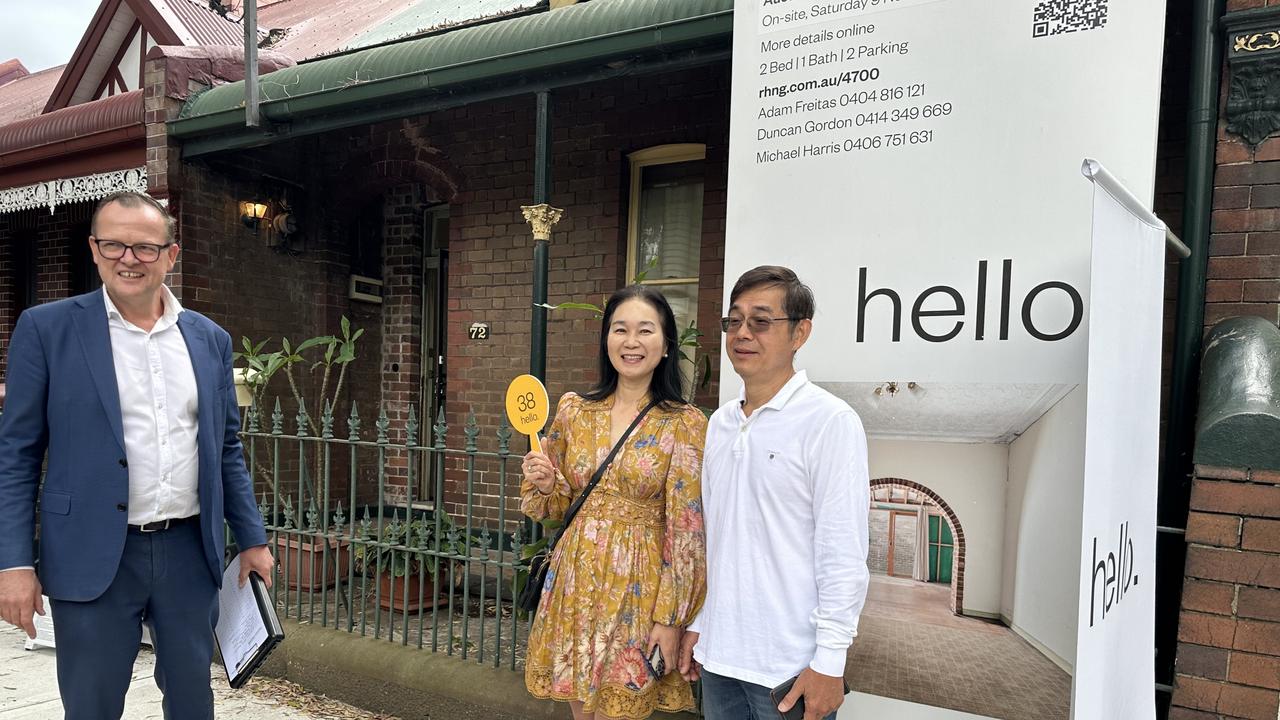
point(144, 252)
point(757, 324)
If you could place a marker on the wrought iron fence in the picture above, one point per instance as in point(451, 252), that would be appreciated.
point(316, 543)
point(357, 552)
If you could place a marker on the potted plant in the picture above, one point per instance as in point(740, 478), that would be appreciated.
point(404, 552)
point(304, 560)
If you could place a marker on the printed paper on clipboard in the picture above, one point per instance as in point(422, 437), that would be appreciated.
point(248, 628)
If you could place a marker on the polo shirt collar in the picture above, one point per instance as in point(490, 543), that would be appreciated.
point(780, 398)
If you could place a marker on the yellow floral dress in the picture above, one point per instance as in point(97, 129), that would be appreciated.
point(635, 555)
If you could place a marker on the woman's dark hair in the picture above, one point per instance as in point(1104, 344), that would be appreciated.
point(667, 384)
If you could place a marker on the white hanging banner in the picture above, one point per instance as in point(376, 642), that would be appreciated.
point(911, 160)
point(1115, 636)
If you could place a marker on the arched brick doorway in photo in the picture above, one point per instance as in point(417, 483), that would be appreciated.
point(899, 528)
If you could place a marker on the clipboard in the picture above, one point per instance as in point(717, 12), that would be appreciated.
point(248, 628)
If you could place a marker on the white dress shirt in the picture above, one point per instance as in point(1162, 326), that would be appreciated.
point(785, 499)
point(158, 407)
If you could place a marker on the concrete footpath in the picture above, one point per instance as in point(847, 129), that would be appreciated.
point(29, 691)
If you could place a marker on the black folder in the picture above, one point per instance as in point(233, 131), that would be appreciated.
point(242, 659)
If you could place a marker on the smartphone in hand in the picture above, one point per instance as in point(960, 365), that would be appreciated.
point(778, 694)
point(656, 663)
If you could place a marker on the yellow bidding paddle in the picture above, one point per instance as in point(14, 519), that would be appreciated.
point(527, 408)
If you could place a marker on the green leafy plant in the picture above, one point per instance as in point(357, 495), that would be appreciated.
point(329, 353)
point(336, 352)
point(394, 546)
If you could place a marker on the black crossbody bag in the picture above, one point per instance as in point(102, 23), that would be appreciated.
point(538, 564)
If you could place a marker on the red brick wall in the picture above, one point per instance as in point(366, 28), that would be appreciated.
point(1233, 5)
point(1229, 634)
point(1244, 263)
point(401, 340)
point(1244, 267)
point(594, 128)
point(269, 291)
point(61, 237)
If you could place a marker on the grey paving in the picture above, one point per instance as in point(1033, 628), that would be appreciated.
point(29, 688)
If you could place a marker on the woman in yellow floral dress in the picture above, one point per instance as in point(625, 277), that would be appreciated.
point(630, 571)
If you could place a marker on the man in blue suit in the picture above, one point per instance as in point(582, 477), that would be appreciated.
point(133, 401)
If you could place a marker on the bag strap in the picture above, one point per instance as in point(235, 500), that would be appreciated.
point(595, 479)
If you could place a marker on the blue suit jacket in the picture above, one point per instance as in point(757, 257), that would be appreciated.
point(62, 398)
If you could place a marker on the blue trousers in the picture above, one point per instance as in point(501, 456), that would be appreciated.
point(726, 698)
point(163, 580)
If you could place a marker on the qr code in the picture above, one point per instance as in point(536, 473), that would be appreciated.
point(1055, 17)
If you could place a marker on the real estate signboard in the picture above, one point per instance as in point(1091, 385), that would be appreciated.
point(917, 163)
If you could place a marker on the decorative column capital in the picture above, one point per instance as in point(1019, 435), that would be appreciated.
point(1253, 55)
point(542, 217)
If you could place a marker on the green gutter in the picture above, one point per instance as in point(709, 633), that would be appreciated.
point(1202, 135)
point(432, 102)
point(590, 33)
point(1175, 481)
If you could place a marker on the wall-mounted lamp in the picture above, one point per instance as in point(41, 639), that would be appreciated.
point(252, 213)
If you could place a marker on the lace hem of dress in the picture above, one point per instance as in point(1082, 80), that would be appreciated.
point(670, 694)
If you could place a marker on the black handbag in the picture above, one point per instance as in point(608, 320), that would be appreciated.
point(538, 564)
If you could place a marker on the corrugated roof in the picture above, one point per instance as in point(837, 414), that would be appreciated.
point(25, 97)
point(321, 27)
point(69, 123)
point(428, 15)
point(588, 32)
point(314, 28)
point(208, 27)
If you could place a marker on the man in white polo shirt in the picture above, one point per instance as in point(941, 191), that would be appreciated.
point(785, 495)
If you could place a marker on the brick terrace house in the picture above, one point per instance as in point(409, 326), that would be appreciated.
point(403, 146)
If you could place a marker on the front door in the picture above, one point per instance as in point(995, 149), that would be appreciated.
point(435, 274)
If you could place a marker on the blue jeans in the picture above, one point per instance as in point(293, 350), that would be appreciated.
point(725, 698)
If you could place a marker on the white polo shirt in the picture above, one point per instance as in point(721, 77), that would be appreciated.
point(786, 498)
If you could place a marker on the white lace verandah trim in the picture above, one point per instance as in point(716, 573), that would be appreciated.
point(52, 193)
